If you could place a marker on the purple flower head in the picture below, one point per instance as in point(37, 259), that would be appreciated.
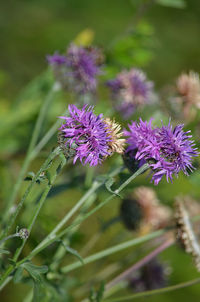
point(130, 89)
point(84, 69)
point(93, 137)
point(56, 59)
point(78, 69)
point(167, 150)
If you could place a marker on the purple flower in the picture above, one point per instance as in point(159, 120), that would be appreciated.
point(167, 150)
point(130, 89)
point(56, 59)
point(78, 69)
point(92, 137)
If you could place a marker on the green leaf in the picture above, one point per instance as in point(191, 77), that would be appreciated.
point(18, 274)
point(2, 251)
point(172, 3)
point(73, 252)
point(35, 271)
point(108, 185)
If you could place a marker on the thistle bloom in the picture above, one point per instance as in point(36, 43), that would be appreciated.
point(130, 89)
point(91, 137)
point(78, 69)
point(188, 85)
point(142, 210)
point(167, 150)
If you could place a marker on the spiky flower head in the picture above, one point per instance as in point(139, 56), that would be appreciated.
point(167, 150)
point(188, 86)
point(130, 89)
point(78, 69)
point(188, 233)
point(90, 136)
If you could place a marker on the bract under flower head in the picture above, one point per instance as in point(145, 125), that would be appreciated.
point(90, 134)
point(167, 150)
point(129, 90)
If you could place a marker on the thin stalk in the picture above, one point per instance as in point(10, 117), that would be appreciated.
point(155, 292)
point(112, 250)
point(140, 264)
point(42, 169)
point(8, 237)
point(61, 250)
point(33, 141)
point(38, 208)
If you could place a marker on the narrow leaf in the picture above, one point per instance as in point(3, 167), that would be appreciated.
point(18, 274)
point(73, 252)
point(2, 251)
point(108, 185)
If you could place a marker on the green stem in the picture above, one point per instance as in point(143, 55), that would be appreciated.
point(154, 292)
point(8, 237)
point(34, 217)
point(42, 169)
point(52, 237)
point(61, 251)
point(28, 158)
point(112, 250)
point(38, 208)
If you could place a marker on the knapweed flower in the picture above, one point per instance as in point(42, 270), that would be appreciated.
point(78, 69)
point(130, 89)
point(167, 150)
point(153, 275)
point(91, 137)
point(188, 233)
point(188, 86)
point(143, 211)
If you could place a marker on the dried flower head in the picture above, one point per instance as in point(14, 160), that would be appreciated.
point(142, 210)
point(91, 137)
point(167, 150)
point(78, 69)
point(188, 85)
point(116, 143)
point(155, 214)
point(130, 89)
point(185, 231)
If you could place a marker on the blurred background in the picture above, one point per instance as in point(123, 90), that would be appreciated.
point(162, 40)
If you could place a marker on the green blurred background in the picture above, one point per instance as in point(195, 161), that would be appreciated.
point(29, 30)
